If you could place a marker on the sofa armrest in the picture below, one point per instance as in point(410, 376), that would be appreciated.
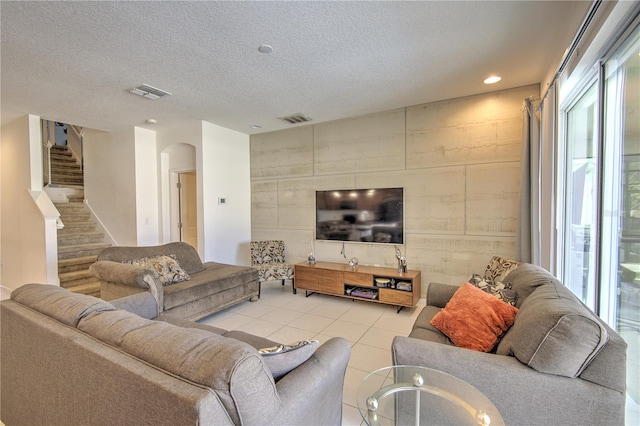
point(312, 393)
point(521, 394)
point(141, 304)
point(438, 294)
point(124, 274)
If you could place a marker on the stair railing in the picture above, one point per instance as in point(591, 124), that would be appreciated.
point(74, 142)
point(47, 134)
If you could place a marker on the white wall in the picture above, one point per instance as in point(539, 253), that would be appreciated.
point(146, 183)
point(178, 158)
point(178, 149)
point(221, 163)
point(224, 172)
point(28, 216)
point(110, 182)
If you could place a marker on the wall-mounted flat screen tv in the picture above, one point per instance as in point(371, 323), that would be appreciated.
point(372, 215)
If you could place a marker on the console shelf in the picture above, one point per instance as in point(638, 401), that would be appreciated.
point(370, 283)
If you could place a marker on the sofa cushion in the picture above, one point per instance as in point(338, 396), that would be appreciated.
point(166, 266)
point(181, 322)
point(279, 358)
point(233, 369)
point(495, 288)
point(422, 328)
point(59, 303)
point(474, 319)
point(185, 253)
point(214, 278)
point(526, 278)
point(554, 333)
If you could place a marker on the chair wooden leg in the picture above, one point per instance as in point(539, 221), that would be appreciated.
point(293, 287)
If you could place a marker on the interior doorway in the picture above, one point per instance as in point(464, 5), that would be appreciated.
point(187, 208)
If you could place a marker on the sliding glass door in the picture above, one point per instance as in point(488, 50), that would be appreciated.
point(620, 304)
point(582, 196)
point(600, 258)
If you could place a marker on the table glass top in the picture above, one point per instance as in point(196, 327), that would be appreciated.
point(410, 395)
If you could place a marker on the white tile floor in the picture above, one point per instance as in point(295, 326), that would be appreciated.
point(284, 317)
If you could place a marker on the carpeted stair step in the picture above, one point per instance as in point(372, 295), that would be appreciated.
point(59, 180)
point(70, 207)
point(66, 165)
point(82, 250)
point(67, 169)
point(66, 174)
point(76, 227)
point(75, 278)
point(77, 198)
point(77, 238)
point(75, 216)
point(90, 289)
point(62, 157)
point(75, 264)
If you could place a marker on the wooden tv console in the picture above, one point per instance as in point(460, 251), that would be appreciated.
point(369, 283)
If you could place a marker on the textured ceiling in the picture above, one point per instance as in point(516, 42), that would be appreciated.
point(75, 61)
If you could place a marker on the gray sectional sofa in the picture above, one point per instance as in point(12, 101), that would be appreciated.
point(212, 286)
point(71, 359)
point(559, 364)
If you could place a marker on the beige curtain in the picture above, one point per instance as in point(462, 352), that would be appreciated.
point(548, 177)
point(528, 235)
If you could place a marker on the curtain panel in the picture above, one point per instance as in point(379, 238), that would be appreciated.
point(528, 233)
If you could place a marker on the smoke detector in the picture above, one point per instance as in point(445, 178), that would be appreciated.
point(295, 118)
point(149, 92)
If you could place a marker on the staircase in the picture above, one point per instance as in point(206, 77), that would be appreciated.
point(80, 241)
point(65, 170)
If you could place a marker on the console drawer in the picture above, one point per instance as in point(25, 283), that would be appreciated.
point(358, 278)
point(396, 297)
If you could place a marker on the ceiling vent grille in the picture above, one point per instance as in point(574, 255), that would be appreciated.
point(149, 92)
point(295, 118)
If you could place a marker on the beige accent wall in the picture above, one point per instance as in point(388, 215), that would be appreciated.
point(28, 215)
point(110, 181)
point(458, 161)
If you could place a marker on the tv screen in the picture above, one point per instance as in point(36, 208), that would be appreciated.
point(365, 215)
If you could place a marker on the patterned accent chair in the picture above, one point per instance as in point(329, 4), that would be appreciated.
point(269, 259)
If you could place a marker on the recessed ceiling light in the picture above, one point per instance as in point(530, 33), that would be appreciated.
point(151, 121)
point(493, 79)
point(265, 48)
point(256, 126)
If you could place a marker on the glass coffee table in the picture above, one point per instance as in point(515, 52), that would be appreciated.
point(411, 395)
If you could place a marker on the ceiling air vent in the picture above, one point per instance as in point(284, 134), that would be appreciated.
point(149, 92)
point(295, 118)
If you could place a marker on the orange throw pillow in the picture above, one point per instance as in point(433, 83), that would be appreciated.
point(473, 319)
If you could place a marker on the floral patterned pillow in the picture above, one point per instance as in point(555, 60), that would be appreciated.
point(498, 289)
point(498, 268)
point(283, 358)
point(167, 267)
